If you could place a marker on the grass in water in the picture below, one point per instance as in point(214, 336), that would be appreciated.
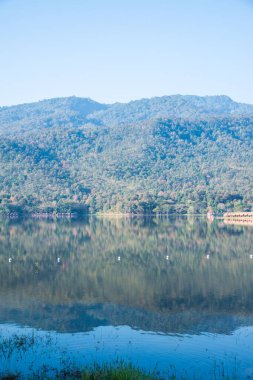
point(118, 370)
point(105, 372)
point(110, 372)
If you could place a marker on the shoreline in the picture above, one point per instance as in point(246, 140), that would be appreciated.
point(75, 215)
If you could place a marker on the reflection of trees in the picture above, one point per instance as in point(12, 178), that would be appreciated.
point(89, 272)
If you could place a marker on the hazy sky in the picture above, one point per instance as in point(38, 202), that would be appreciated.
point(118, 50)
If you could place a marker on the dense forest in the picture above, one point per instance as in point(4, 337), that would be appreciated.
point(174, 154)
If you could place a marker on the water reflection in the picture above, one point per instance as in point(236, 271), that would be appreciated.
point(170, 276)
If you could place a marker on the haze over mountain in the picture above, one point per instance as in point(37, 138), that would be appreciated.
point(168, 154)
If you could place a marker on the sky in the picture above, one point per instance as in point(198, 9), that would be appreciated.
point(118, 50)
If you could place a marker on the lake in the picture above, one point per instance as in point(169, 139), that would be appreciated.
point(173, 295)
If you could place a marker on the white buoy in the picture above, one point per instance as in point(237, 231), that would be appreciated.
point(58, 260)
point(167, 257)
point(208, 257)
point(251, 256)
point(118, 258)
point(10, 260)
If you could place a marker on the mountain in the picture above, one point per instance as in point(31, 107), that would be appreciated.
point(47, 113)
point(162, 155)
point(187, 106)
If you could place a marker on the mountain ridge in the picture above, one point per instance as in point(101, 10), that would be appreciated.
point(74, 97)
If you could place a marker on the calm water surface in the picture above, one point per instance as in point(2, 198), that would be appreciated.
point(174, 294)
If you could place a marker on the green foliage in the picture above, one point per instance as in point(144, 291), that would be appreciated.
point(179, 154)
point(111, 372)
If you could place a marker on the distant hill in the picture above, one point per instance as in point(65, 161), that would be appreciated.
point(47, 113)
point(185, 106)
point(160, 155)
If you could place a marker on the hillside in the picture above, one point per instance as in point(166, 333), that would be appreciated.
point(184, 106)
point(170, 154)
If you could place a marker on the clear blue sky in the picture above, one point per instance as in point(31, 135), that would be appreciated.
point(118, 50)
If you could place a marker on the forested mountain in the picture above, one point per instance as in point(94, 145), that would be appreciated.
point(160, 155)
point(59, 112)
point(187, 106)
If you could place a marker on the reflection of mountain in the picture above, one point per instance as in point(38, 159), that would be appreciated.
point(90, 287)
point(81, 318)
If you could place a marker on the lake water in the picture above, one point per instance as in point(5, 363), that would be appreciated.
point(175, 295)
